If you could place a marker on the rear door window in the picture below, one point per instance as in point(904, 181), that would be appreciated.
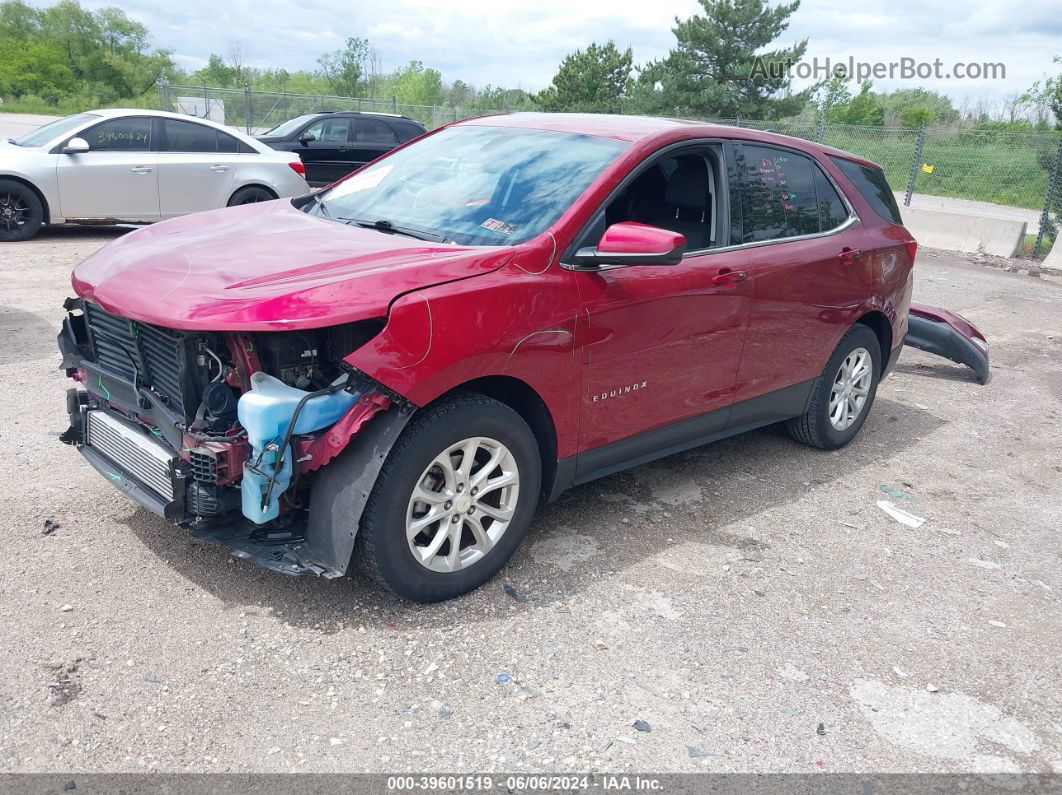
point(872, 185)
point(780, 199)
point(406, 130)
point(226, 143)
point(373, 131)
point(187, 136)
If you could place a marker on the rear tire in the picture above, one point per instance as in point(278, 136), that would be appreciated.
point(21, 211)
point(251, 195)
point(476, 506)
point(843, 395)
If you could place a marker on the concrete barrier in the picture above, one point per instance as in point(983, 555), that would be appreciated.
point(1001, 237)
point(1054, 256)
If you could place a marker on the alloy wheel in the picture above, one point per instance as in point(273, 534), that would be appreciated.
point(851, 387)
point(462, 504)
point(14, 212)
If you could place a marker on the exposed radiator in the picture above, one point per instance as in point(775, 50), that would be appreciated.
point(117, 340)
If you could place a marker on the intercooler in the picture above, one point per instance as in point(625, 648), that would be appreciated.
point(132, 451)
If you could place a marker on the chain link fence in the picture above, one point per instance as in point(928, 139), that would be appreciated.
point(1002, 174)
point(255, 112)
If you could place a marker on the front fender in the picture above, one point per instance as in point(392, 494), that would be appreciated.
point(517, 322)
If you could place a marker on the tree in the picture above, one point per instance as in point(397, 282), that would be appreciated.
point(592, 80)
point(216, 73)
point(1046, 97)
point(720, 68)
point(345, 68)
point(235, 58)
point(415, 85)
point(68, 51)
point(460, 93)
point(913, 107)
point(865, 108)
point(915, 116)
point(832, 97)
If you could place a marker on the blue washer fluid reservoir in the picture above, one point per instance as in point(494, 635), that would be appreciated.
point(265, 412)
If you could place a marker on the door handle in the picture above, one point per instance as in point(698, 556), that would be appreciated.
point(726, 276)
point(849, 255)
point(141, 169)
point(219, 168)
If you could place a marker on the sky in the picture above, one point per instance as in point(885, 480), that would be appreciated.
point(519, 43)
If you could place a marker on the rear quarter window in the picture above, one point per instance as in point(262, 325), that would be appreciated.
point(406, 131)
point(872, 185)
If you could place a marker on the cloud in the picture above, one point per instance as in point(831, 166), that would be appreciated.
point(520, 42)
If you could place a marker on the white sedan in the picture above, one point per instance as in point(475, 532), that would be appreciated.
point(134, 166)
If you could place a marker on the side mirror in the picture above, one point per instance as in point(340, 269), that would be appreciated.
point(307, 137)
point(630, 243)
point(75, 146)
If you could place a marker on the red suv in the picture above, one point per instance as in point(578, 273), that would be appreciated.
point(397, 369)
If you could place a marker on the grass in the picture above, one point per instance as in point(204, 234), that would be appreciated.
point(1002, 168)
point(1029, 243)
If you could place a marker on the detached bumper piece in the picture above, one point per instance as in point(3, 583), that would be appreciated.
point(950, 335)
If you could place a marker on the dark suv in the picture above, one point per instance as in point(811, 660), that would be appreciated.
point(332, 144)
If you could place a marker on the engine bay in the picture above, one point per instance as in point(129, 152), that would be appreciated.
point(199, 394)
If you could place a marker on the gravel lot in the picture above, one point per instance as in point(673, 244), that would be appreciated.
point(748, 601)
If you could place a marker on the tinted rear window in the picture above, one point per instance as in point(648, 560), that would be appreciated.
point(875, 188)
point(189, 136)
point(406, 130)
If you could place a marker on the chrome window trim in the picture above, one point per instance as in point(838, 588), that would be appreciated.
point(851, 221)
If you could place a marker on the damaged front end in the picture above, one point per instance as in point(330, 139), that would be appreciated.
point(225, 432)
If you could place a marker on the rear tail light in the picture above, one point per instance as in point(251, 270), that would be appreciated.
point(912, 249)
point(298, 167)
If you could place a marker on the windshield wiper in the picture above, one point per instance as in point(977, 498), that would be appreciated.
point(383, 225)
point(321, 208)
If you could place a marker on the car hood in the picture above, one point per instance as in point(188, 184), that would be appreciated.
point(267, 266)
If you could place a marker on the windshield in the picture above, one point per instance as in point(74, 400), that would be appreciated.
point(53, 130)
point(473, 185)
point(290, 126)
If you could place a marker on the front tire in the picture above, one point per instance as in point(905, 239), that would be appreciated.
point(843, 394)
point(453, 500)
point(21, 211)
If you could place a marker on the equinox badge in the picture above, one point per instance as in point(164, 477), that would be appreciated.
point(623, 390)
